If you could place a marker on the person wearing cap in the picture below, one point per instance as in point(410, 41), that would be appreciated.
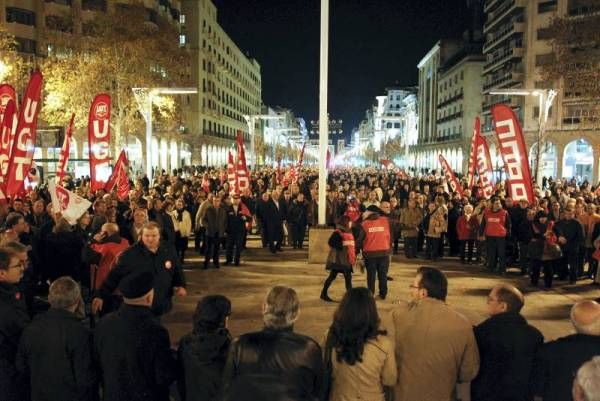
point(374, 239)
point(203, 352)
point(570, 238)
point(132, 348)
point(148, 255)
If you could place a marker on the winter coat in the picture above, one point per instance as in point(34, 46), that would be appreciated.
point(572, 230)
point(341, 255)
point(62, 255)
point(58, 364)
point(298, 214)
point(134, 354)
point(438, 222)
point(507, 347)
point(281, 360)
point(202, 358)
point(13, 320)
point(557, 363)
point(543, 239)
point(467, 229)
point(410, 220)
point(435, 348)
point(164, 266)
point(103, 255)
point(215, 221)
point(183, 226)
point(365, 379)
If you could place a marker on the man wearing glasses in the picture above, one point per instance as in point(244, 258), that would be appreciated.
point(13, 319)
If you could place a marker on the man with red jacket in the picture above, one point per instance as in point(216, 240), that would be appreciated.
point(375, 240)
point(495, 225)
point(103, 251)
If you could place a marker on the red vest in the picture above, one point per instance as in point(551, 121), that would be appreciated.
point(348, 241)
point(110, 251)
point(378, 235)
point(495, 223)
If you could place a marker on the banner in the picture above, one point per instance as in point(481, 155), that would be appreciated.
point(6, 133)
point(21, 154)
point(64, 153)
point(99, 141)
point(7, 93)
point(69, 204)
point(450, 177)
point(231, 176)
point(243, 177)
point(514, 153)
point(484, 167)
point(473, 154)
point(278, 175)
point(119, 178)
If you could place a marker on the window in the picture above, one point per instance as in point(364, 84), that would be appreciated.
point(26, 45)
point(181, 40)
point(544, 34)
point(547, 6)
point(182, 19)
point(544, 59)
point(94, 5)
point(20, 16)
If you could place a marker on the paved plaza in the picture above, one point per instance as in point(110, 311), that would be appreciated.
point(247, 285)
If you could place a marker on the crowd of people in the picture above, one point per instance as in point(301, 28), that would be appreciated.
point(121, 264)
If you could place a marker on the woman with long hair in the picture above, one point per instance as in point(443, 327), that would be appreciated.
point(359, 357)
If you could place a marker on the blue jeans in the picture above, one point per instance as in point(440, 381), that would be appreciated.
point(377, 266)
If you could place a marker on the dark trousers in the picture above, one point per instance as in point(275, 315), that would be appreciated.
point(377, 267)
point(212, 250)
point(547, 266)
point(199, 241)
point(466, 246)
point(592, 263)
point(496, 253)
point(420, 241)
point(234, 248)
point(297, 232)
point(572, 258)
point(264, 236)
point(181, 245)
point(454, 244)
point(333, 274)
point(410, 247)
point(524, 261)
point(432, 247)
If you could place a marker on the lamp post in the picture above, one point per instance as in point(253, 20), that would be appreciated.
point(546, 98)
point(323, 117)
point(251, 121)
point(145, 98)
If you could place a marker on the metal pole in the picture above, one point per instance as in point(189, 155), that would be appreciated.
point(323, 118)
point(149, 137)
point(539, 139)
point(251, 122)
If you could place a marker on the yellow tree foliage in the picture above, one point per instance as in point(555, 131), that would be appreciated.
point(117, 51)
point(13, 69)
point(576, 41)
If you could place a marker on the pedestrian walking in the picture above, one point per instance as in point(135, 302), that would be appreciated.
point(341, 256)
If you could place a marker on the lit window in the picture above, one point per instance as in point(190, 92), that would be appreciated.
point(182, 19)
point(181, 40)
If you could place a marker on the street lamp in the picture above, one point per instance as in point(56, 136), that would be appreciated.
point(546, 98)
point(145, 98)
point(251, 121)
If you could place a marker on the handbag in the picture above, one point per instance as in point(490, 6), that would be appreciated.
point(553, 251)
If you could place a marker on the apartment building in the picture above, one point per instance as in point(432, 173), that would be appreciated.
point(517, 47)
point(228, 81)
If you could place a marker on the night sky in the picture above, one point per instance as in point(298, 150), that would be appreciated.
point(373, 44)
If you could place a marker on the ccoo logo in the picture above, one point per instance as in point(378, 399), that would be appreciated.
point(101, 111)
point(63, 197)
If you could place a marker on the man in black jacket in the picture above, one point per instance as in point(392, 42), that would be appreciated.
point(297, 221)
point(132, 348)
point(58, 364)
point(283, 361)
point(557, 361)
point(507, 347)
point(148, 255)
point(13, 319)
point(570, 238)
point(215, 224)
point(236, 230)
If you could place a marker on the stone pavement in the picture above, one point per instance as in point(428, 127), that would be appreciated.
point(247, 285)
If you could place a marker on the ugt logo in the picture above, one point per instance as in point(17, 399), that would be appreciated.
point(101, 111)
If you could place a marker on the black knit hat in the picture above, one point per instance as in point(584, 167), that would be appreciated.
point(136, 285)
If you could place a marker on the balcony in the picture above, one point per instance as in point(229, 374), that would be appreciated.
point(505, 10)
point(489, 4)
point(504, 80)
point(501, 59)
point(452, 99)
point(93, 5)
point(451, 117)
point(512, 101)
point(516, 28)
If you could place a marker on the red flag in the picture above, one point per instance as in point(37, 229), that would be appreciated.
point(99, 140)
point(243, 178)
point(328, 161)
point(7, 133)
point(64, 153)
point(484, 167)
point(473, 158)
point(231, 175)
point(450, 177)
point(119, 177)
point(7, 93)
point(278, 176)
point(514, 153)
point(24, 144)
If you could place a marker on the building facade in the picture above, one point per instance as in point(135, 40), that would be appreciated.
point(228, 82)
point(517, 47)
